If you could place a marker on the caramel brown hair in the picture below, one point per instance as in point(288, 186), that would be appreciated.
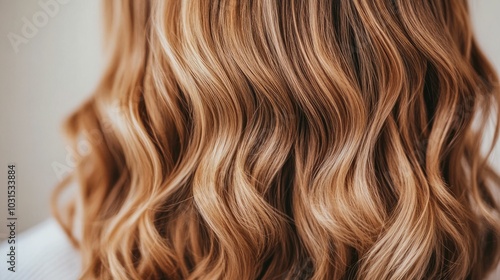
point(300, 139)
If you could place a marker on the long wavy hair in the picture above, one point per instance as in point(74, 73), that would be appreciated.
point(300, 139)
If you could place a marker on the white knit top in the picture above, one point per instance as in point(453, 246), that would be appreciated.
point(42, 253)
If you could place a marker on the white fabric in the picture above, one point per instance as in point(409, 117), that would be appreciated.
point(42, 253)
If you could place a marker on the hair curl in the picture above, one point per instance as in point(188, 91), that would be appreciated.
point(291, 139)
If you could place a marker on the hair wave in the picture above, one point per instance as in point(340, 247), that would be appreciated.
point(287, 140)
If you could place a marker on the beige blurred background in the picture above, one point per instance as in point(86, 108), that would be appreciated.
point(58, 67)
point(41, 83)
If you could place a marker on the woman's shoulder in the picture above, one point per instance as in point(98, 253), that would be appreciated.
point(42, 252)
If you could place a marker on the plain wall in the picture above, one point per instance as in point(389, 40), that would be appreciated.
point(49, 76)
point(58, 68)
